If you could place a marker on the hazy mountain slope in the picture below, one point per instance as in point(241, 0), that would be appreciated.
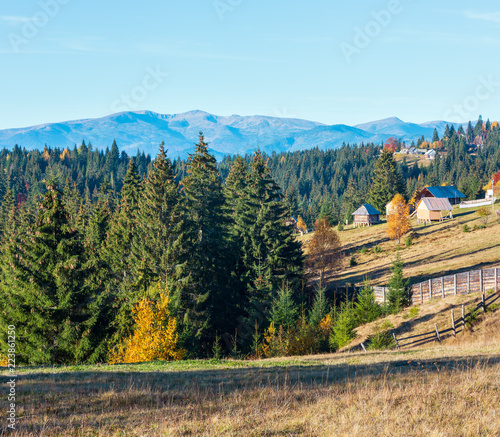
point(145, 130)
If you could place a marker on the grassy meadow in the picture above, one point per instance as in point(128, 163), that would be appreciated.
point(443, 389)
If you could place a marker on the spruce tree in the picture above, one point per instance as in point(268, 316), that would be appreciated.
point(156, 244)
point(435, 136)
point(387, 181)
point(205, 303)
point(117, 252)
point(397, 296)
point(268, 240)
point(285, 311)
point(366, 308)
point(43, 285)
point(319, 308)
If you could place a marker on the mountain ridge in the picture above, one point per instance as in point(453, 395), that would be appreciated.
point(227, 135)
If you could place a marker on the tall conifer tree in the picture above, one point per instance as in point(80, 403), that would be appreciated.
point(387, 182)
point(43, 286)
point(205, 304)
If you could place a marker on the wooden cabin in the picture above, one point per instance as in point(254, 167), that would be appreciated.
point(431, 209)
point(450, 192)
point(366, 215)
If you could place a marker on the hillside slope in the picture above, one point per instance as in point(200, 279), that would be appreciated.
point(436, 250)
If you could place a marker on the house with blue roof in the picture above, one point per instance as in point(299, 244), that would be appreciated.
point(451, 193)
point(366, 215)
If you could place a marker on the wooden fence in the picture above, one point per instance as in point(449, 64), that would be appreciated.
point(457, 325)
point(380, 294)
point(476, 203)
point(451, 285)
point(462, 283)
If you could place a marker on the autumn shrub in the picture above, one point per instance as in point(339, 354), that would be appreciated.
point(154, 336)
point(303, 339)
point(4, 360)
point(275, 342)
point(340, 227)
point(377, 249)
point(484, 213)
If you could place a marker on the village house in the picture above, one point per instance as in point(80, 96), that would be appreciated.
point(430, 154)
point(431, 209)
point(366, 215)
point(453, 195)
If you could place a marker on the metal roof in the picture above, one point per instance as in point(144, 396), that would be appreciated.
point(449, 192)
point(436, 203)
point(366, 209)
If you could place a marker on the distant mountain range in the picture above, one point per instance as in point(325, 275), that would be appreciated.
point(145, 130)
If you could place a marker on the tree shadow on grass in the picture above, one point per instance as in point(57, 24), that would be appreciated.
point(53, 401)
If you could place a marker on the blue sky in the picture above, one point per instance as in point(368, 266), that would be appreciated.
point(328, 61)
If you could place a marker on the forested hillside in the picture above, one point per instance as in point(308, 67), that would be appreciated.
point(79, 274)
point(86, 236)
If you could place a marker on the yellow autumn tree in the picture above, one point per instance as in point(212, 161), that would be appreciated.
point(494, 125)
point(65, 155)
point(154, 337)
point(413, 199)
point(398, 220)
point(301, 224)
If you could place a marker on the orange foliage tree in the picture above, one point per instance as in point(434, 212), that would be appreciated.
point(496, 181)
point(154, 337)
point(391, 144)
point(324, 248)
point(398, 220)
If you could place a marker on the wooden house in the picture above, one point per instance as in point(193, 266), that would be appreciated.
point(431, 209)
point(449, 192)
point(366, 215)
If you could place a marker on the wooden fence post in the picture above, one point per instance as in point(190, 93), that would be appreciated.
point(481, 280)
point(396, 340)
point(496, 279)
point(455, 284)
point(421, 294)
point(442, 284)
point(383, 291)
point(463, 318)
point(453, 323)
point(430, 289)
point(363, 346)
point(437, 333)
point(468, 282)
point(483, 306)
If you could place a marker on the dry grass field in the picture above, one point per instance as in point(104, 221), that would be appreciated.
point(438, 249)
point(450, 388)
point(446, 389)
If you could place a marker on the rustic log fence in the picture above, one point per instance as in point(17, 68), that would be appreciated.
point(457, 325)
point(474, 281)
